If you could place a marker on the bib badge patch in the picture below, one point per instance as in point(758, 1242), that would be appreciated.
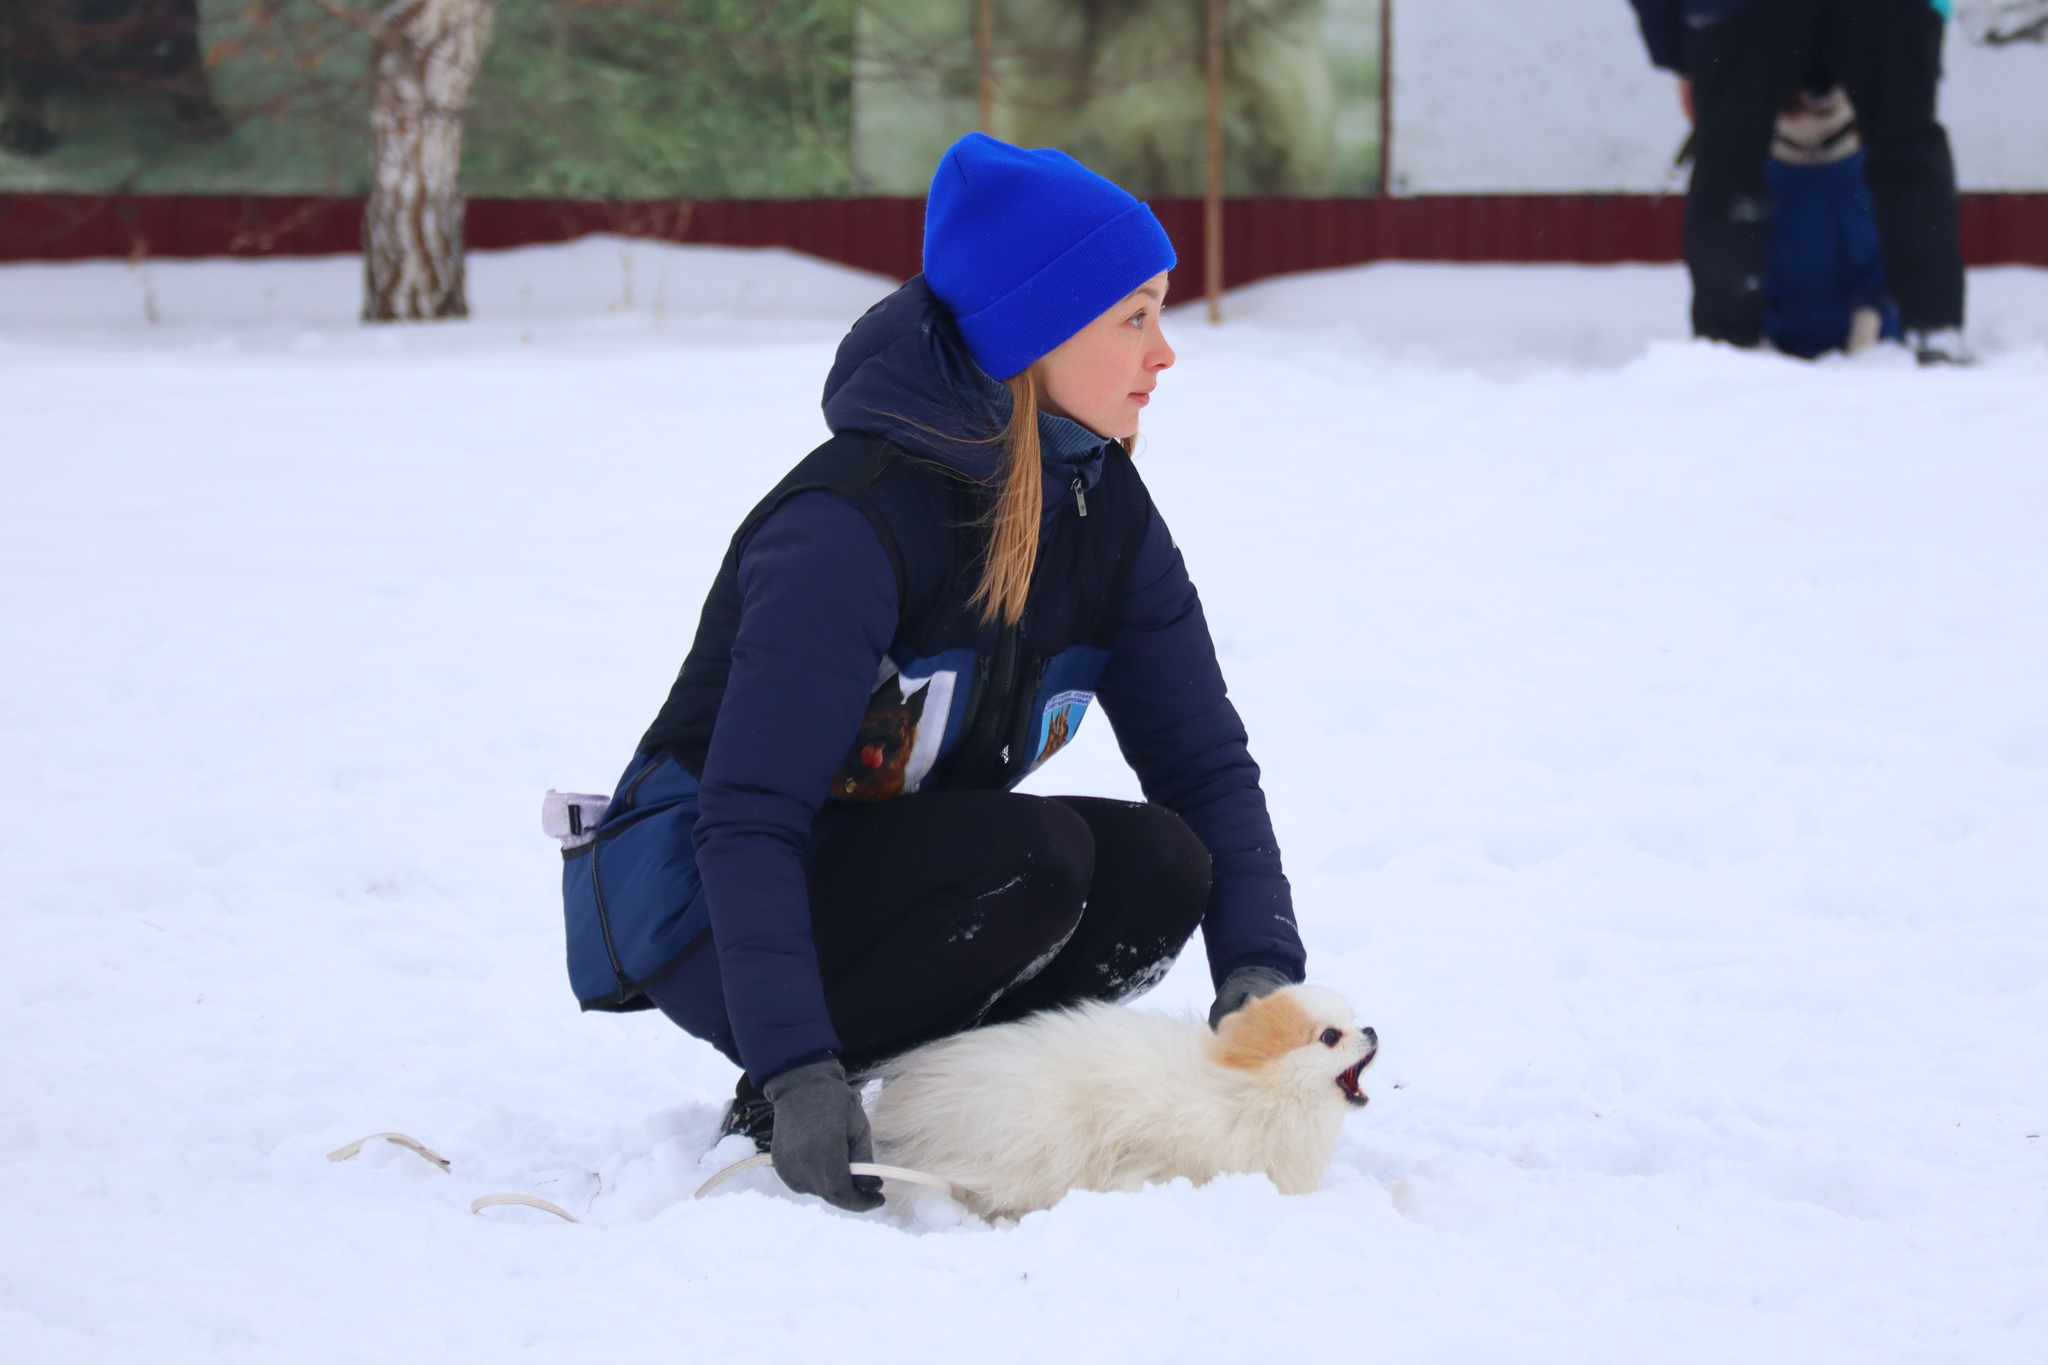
point(898, 739)
point(1058, 722)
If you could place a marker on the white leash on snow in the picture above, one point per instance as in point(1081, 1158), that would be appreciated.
point(760, 1159)
point(531, 1201)
point(410, 1144)
point(477, 1205)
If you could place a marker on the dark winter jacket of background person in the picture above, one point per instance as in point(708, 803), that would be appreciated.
point(1664, 23)
point(833, 664)
point(1825, 258)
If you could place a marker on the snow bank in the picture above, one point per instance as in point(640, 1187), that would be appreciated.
point(596, 276)
point(1489, 316)
point(1500, 318)
point(1510, 319)
point(1656, 745)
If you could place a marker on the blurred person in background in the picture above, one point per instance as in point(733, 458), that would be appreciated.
point(1739, 62)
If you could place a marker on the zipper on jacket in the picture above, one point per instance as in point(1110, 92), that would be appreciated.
point(998, 711)
point(991, 707)
point(1003, 690)
point(633, 788)
point(604, 925)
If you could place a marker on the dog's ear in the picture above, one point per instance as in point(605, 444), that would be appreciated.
point(1262, 1031)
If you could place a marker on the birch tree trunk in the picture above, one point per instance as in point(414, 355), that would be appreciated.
point(423, 63)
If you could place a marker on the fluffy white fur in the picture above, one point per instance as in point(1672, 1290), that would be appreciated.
point(1105, 1098)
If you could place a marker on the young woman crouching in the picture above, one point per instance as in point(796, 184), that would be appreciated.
point(815, 861)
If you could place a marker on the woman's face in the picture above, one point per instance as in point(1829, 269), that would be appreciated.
point(1102, 376)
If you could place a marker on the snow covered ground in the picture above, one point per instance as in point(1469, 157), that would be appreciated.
point(1655, 733)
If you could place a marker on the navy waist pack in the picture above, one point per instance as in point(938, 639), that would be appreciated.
point(632, 896)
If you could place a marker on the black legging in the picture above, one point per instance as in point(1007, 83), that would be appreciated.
point(937, 912)
point(1887, 55)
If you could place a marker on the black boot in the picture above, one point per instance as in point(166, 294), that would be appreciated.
point(750, 1113)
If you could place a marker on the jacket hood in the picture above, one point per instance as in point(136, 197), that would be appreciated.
point(903, 374)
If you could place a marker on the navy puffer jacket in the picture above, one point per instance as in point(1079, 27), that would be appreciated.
point(1664, 23)
point(825, 607)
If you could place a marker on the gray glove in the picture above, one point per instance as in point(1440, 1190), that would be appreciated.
point(820, 1128)
point(1246, 983)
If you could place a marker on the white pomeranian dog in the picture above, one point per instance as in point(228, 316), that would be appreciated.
point(1099, 1097)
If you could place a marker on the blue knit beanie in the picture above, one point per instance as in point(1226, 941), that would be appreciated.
point(1027, 248)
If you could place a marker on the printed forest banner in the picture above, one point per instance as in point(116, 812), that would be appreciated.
point(692, 99)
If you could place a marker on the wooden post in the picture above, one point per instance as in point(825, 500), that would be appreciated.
point(1212, 177)
point(985, 66)
point(1386, 186)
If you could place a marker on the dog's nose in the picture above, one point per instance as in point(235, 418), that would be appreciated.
point(1372, 1038)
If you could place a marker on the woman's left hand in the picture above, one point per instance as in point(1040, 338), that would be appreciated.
point(1246, 983)
point(821, 1129)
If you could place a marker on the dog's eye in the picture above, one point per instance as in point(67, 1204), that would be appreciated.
point(1332, 1036)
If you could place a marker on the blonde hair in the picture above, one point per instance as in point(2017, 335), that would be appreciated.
point(1013, 522)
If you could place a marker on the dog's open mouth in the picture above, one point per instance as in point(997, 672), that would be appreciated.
point(1347, 1081)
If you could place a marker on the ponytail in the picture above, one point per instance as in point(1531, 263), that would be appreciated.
point(1013, 525)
